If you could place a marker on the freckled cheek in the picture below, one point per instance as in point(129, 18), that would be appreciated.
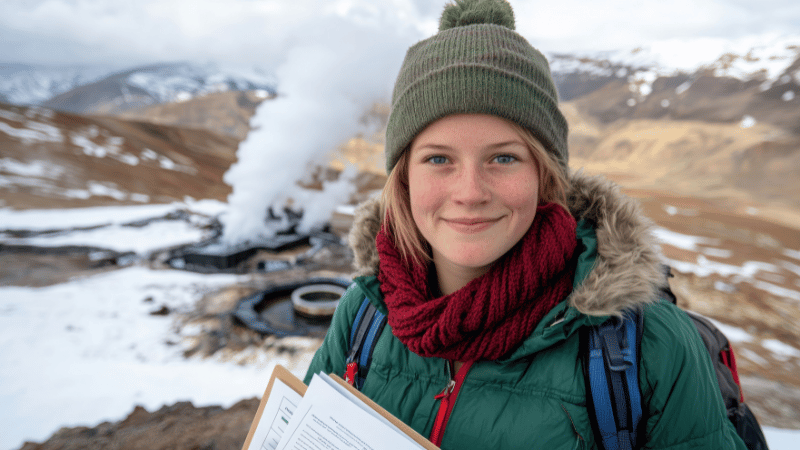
point(520, 196)
point(424, 200)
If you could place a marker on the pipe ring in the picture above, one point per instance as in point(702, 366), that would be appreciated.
point(310, 300)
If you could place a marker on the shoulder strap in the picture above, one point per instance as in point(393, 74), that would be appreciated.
point(367, 327)
point(612, 380)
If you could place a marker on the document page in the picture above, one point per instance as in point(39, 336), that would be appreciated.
point(327, 419)
point(281, 406)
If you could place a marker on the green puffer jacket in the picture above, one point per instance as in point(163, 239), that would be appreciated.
point(536, 398)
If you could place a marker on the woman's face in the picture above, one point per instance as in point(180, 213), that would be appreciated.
point(474, 188)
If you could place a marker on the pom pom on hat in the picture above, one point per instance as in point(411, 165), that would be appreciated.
point(471, 12)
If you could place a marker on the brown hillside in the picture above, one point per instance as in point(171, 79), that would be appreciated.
point(52, 159)
point(224, 113)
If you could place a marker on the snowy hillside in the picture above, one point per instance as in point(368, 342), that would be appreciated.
point(56, 87)
point(23, 84)
point(769, 59)
point(765, 58)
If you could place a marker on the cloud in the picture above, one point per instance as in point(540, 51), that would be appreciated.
point(101, 31)
point(94, 31)
point(570, 25)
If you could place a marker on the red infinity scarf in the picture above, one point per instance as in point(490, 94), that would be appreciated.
point(492, 314)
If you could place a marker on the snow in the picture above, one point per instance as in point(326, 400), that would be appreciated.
point(140, 240)
point(734, 334)
point(88, 350)
point(791, 253)
point(30, 85)
point(763, 57)
point(48, 219)
point(780, 349)
point(40, 169)
point(747, 122)
point(35, 132)
point(683, 87)
point(682, 241)
point(780, 439)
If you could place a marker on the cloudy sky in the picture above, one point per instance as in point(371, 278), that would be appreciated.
point(259, 31)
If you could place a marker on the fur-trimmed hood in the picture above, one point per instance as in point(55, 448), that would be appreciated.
point(628, 269)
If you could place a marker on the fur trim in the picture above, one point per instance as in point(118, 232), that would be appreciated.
point(628, 270)
point(366, 225)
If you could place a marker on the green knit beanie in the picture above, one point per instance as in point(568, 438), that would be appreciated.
point(475, 64)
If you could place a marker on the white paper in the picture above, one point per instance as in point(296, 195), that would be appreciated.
point(328, 420)
point(276, 416)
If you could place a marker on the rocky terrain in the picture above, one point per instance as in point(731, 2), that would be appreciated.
point(712, 157)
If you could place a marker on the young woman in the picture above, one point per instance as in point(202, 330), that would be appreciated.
point(489, 258)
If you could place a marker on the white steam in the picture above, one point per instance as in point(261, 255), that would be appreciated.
point(329, 79)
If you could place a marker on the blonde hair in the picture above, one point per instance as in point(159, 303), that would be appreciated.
point(396, 198)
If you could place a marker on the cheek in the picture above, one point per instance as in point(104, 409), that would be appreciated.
point(422, 193)
point(421, 200)
point(522, 194)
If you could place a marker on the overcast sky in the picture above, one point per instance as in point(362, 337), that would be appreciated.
point(258, 31)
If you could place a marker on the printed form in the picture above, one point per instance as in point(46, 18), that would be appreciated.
point(331, 418)
point(281, 406)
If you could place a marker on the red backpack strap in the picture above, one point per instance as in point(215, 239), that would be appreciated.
point(729, 359)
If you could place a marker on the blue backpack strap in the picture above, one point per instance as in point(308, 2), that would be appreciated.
point(366, 329)
point(612, 377)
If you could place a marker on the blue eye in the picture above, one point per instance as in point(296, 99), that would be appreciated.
point(438, 159)
point(505, 159)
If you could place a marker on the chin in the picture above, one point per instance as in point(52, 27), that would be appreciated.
point(473, 261)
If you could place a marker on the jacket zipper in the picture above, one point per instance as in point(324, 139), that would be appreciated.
point(448, 400)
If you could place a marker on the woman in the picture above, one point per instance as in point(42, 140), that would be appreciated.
point(489, 259)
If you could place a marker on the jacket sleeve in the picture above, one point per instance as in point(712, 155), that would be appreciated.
point(330, 357)
point(684, 407)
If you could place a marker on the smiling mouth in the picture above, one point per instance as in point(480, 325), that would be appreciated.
point(470, 225)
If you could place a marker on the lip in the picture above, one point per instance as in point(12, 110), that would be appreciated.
point(471, 225)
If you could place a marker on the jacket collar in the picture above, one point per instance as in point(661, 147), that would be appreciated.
point(627, 269)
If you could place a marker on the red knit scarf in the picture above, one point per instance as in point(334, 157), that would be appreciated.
point(492, 314)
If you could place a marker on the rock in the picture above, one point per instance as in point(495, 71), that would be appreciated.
point(180, 426)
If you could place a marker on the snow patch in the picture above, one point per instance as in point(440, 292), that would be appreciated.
point(780, 350)
point(788, 96)
point(90, 148)
point(682, 241)
point(140, 240)
point(747, 122)
point(12, 116)
point(791, 253)
point(35, 132)
point(59, 219)
point(683, 87)
point(734, 334)
point(41, 169)
point(718, 252)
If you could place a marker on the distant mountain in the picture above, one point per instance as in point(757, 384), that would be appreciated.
point(722, 127)
point(24, 84)
point(693, 119)
point(767, 59)
point(102, 91)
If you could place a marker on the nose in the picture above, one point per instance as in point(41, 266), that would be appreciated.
point(471, 186)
